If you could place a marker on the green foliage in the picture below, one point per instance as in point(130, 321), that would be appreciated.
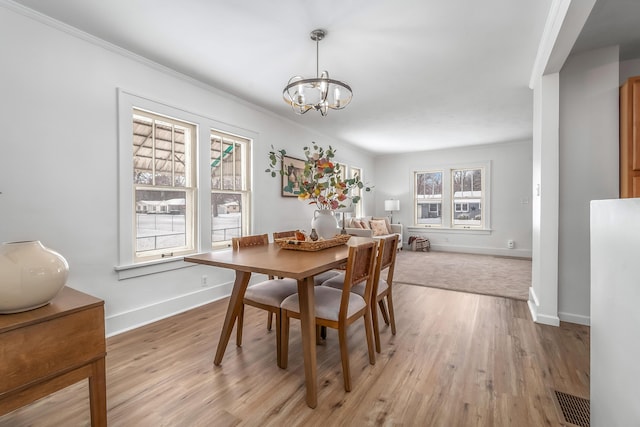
point(321, 182)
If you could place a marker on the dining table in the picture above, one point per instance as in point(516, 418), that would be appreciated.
point(274, 260)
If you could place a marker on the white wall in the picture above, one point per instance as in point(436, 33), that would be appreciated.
point(588, 167)
point(510, 195)
point(630, 68)
point(58, 178)
point(543, 293)
point(615, 319)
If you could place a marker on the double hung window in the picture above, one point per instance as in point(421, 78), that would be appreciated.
point(230, 175)
point(467, 197)
point(358, 210)
point(164, 185)
point(184, 184)
point(428, 197)
point(452, 197)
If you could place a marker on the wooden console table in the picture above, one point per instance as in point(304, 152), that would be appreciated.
point(52, 347)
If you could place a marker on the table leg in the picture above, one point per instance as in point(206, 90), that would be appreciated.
point(308, 327)
point(235, 304)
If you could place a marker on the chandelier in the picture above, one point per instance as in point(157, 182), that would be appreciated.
point(319, 93)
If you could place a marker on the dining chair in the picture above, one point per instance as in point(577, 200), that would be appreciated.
point(337, 308)
point(266, 295)
point(382, 288)
point(318, 279)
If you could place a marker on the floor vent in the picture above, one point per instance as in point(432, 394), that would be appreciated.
point(572, 410)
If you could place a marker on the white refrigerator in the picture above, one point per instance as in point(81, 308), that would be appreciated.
point(615, 313)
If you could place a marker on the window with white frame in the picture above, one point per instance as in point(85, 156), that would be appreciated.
point(230, 184)
point(184, 184)
point(467, 197)
point(163, 185)
point(428, 198)
point(358, 209)
point(452, 197)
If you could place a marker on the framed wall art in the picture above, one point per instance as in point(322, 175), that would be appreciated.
point(292, 174)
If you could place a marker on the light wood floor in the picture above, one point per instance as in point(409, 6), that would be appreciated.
point(458, 360)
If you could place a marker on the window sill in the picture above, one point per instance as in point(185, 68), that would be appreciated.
point(151, 267)
point(449, 230)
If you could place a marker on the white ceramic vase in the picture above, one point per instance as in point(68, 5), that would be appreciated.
point(325, 223)
point(31, 275)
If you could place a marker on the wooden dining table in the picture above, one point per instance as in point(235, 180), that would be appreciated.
point(275, 261)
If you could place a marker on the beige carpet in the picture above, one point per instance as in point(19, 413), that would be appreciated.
point(480, 274)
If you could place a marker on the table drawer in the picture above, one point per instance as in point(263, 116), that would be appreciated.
point(48, 348)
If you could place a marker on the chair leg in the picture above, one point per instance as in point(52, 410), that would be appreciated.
point(239, 323)
point(392, 316)
point(369, 332)
point(344, 355)
point(284, 340)
point(376, 327)
point(269, 320)
point(278, 336)
point(383, 309)
point(323, 332)
point(318, 334)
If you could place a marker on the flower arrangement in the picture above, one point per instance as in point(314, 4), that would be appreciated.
point(322, 181)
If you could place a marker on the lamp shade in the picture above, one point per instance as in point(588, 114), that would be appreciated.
point(392, 205)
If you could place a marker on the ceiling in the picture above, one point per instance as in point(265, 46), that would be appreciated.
point(612, 22)
point(426, 74)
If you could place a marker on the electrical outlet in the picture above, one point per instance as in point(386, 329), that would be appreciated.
point(511, 244)
point(204, 280)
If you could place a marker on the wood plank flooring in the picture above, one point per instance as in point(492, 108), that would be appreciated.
point(457, 360)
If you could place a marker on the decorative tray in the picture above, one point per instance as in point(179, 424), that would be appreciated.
point(300, 245)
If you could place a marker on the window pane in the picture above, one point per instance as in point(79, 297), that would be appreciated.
point(429, 213)
point(429, 185)
point(216, 163)
point(162, 154)
point(181, 165)
point(142, 150)
point(228, 166)
point(467, 197)
point(358, 210)
point(160, 220)
point(226, 216)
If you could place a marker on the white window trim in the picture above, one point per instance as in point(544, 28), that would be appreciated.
point(447, 199)
point(126, 267)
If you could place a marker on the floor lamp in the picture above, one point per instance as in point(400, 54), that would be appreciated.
point(346, 209)
point(390, 206)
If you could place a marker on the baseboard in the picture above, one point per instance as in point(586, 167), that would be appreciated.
point(126, 321)
point(515, 253)
point(575, 318)
point(537, 317)
point(545, 319)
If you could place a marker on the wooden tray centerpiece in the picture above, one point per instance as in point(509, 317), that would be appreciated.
point(310, 245)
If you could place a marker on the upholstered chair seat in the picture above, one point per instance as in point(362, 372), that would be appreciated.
point(327, 303)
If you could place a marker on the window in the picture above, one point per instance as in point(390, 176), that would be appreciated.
point(230, 172)
point(452, 197)
point(428, 198)
point(358, 211)
point(184, 185)
point(467, 197)
point(163, 184)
